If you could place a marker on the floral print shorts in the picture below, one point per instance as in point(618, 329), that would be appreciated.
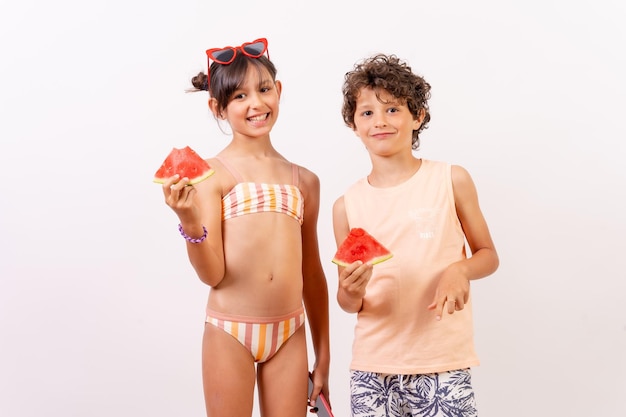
point(445, 394)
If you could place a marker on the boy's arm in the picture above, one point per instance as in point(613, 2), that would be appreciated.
point(353, 278)
point(484, 260)
point(453, 288)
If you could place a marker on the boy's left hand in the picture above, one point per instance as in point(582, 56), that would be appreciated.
point(452, 292)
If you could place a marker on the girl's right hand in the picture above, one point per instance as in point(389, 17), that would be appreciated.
point(179, 195)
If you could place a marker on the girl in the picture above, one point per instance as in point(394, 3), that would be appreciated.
point(251, 235)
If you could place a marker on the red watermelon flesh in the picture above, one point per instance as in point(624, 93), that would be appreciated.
point(360, 246)
point(186, 163)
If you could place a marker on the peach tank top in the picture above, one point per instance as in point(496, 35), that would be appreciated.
point(395, 332)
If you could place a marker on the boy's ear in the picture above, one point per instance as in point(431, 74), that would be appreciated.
point(420, 119)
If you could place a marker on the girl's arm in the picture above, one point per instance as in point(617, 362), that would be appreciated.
point(315, 287)
point(200, 206)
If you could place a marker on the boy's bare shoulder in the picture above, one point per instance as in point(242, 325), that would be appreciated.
point(459, 174)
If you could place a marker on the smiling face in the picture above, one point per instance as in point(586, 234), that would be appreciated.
point(384, 124)
point(252, 109)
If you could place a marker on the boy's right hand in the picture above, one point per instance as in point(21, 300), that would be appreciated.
point(353, 279)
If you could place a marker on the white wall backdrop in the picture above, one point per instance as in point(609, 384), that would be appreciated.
point(101, 314)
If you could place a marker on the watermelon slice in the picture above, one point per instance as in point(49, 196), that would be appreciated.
point(360, 246)
point(186, 163)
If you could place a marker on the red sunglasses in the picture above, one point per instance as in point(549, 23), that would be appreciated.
point(227, 54)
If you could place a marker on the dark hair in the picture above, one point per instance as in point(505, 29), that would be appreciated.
point(225, 79)
point(389, 73)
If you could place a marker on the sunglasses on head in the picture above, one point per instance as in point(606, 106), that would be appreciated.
point(227, 54)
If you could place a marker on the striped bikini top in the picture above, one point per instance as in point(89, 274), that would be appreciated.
point(251, 197)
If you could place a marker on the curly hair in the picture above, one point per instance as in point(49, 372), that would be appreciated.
point(226, 79)
point(389, 73)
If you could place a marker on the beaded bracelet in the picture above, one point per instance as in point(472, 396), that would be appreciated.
point(192, 239)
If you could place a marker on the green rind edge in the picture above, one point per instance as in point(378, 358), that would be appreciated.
point(375, 261)
point(196, 180)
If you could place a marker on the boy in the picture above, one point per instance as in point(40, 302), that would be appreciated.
point(413, 346)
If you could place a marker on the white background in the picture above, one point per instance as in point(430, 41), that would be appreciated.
point(101, 314)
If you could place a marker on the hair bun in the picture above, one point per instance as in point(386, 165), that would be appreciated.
point(200, 81)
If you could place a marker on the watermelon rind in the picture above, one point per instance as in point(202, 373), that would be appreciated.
point(374, 261)
point(185, 162)
point(358, 240)
point(192, 181)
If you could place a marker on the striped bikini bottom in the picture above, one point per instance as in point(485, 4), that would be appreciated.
point(264, 336)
